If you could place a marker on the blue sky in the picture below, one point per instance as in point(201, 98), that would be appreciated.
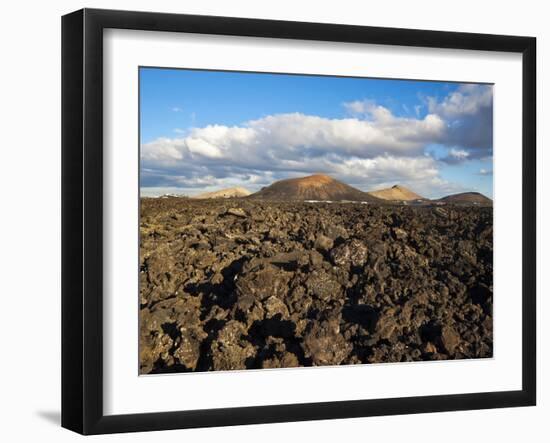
point(206, 130)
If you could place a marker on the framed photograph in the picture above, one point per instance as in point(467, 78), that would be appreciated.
point(269, 221)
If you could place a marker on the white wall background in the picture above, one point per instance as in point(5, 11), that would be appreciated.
point(30, 110)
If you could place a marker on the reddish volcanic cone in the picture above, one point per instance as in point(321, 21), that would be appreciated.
point(317, 187)
point(467, 199)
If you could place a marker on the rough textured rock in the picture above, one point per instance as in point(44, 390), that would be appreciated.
point(188, 351)
point(263, 282)
point(449, 339)
point(387, 323)
point(237, 212)
point(235, 283)
point(325, 345)
point(274, 306)
point(353, 252)
point(322, 285)
point(231, 350)
point(323, 243)
point(287, 360)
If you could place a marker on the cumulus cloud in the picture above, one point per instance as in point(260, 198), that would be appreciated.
point(484, 171)
point(295, 136)
point(358, 107)
point(459, 154)
point(163, 150)
point(370, 148)
point(468, 113)
point(468, 99)
point(418, 172)
point(456, 156)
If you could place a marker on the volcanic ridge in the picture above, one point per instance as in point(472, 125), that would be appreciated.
point(396, 192)
point(318, 187)
point(224, 193)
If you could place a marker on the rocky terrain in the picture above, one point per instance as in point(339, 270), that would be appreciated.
point(230, 284)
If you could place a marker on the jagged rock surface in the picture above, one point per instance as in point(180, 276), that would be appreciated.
point(239, 284)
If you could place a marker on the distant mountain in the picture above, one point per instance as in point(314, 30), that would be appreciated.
point(396, 192)
point(467, 198)
point(316, 187)
point(224, 193)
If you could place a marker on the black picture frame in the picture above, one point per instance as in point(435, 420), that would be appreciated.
point(82, 218)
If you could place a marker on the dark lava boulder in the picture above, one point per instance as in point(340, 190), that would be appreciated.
point(353, 253)
point(231, 350)
point(324, 344)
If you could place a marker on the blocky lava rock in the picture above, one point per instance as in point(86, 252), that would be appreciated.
point(325, 345)
point(231, 350)
point(354, 253)
point(287, 360)
point(234, 283)
point(323, 243)
point(263, 282)
point(237, 212)
point(322, 285)
point(188, 351)
point(274, 306)
point(450, 339)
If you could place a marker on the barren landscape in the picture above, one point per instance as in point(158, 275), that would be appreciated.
point(292, 220)
point(247, 283)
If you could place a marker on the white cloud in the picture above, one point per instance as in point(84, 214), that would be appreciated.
point(468, 99)
point(468, 113)
point(419, 173)
point(177, 109)
point(384, 168)
point(357, 107)
point(459, 154)
point(202, 147)
point(484, 171)
point(369, 110)
point(163, 150)
point(295, 136)
point(369, 149)
point(197, 180)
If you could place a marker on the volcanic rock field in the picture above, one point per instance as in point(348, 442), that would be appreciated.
point(240, 284)
point(231, 284)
